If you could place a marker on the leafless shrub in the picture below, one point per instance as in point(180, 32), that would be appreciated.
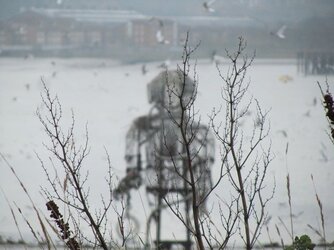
point(192, 136)
point(243, 163)
point(69, 181)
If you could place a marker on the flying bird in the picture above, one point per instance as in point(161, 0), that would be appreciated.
point(280, 32)
point(297, 215)
point(160, 37)
point(283, 132)
point(282, 204)
point(307, 113)
point(207, 6)
point(27, 86)
point(159, 34)
point(324, 157)
point(314, 103)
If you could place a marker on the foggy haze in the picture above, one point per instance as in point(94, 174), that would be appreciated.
point(126, 30)
point(98, 57)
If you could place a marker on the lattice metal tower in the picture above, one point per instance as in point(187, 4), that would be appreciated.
point(155, 156)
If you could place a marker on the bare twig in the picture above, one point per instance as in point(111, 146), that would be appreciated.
point(71, 189)
point(246, 170)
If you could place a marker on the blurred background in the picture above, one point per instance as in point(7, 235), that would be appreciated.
point(128, 29)
point(98, 57)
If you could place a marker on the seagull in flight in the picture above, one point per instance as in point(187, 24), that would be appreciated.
point(280, 32)
point(207, 6)
point(159, 34)
point(160, 38)
point(283, 132)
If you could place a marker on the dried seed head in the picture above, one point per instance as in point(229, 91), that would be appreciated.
point(328, 100)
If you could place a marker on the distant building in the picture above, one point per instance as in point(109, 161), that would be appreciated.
point(77, 28)
point(58, 29)
point(35, 28)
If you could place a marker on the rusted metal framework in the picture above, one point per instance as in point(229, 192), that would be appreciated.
point(155, 155)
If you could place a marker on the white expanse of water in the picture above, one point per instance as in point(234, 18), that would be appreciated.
point(108, 96)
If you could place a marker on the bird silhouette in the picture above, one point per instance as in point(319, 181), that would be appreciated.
point(324, 157)
point(307, 113)
point(297, 215)
point(280, 32)
point(283, 132)
point(207, 6)
point(159, 35)
point(314, 103)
